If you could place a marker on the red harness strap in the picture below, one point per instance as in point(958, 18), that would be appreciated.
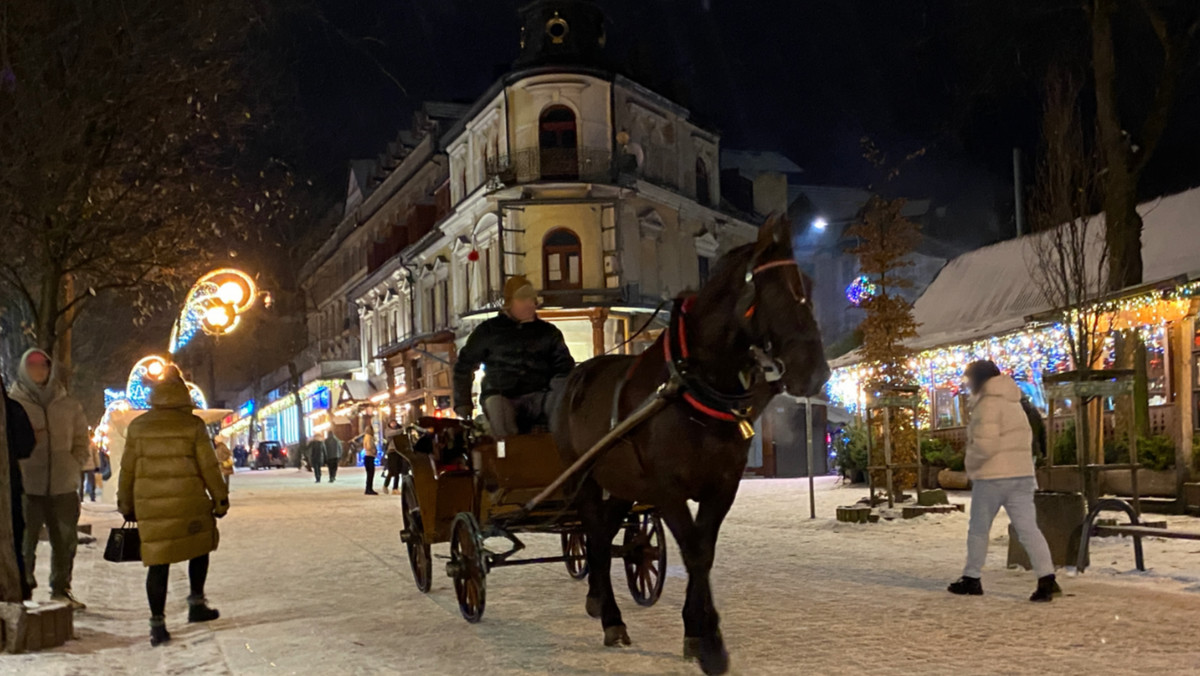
point(683, 349)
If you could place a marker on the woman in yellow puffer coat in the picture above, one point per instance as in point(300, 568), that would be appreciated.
point(171, 485)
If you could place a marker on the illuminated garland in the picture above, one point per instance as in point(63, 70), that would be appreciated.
point(1029, 353)
point(860, 290)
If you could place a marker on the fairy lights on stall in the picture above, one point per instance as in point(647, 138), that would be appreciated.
point(1031, 352)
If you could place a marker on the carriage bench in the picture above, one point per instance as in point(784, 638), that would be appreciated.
point(1133, 529)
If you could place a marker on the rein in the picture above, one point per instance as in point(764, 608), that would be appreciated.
point(702, 397)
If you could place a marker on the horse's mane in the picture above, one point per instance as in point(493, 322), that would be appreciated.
point(730, 271)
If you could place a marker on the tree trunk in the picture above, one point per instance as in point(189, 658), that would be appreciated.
point(294, 376)
point(47, 312)
point(63, 353)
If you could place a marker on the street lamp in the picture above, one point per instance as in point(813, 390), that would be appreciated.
point(820, 224)
point(214, 304)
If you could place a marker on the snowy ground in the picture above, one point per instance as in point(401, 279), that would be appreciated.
point(311, 579)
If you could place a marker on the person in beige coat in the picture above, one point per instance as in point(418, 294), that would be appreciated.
point(224, 459)
point(999, 461)
point(171, 486)
point(51, 474)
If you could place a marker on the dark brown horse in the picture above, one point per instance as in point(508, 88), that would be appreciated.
point(748, 334)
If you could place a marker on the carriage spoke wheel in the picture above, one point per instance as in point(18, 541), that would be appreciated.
point(419, 558)
point(574, 546)
point(645, 557)
point(468, 567)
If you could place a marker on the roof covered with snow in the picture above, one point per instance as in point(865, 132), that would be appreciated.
point(752, 163)
point(992, 290)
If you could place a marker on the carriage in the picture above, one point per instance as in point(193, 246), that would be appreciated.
point(465, 488)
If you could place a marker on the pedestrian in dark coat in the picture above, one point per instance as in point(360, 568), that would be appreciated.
point(333, 454)
point(1037, 425)
point(316, 456)
point(19, 440)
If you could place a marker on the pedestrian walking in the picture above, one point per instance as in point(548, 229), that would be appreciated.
point(316, 456)
point(18, 440)
point(369, 455)
point(88, 480)
point(395, 467)
point(51, 474)
point(170, 484)
point(333, 454)
point(999, 461)
point(224, 459)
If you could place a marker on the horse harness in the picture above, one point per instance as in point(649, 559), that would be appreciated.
point(683, 380)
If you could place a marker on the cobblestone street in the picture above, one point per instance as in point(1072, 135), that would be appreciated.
point(311, 579)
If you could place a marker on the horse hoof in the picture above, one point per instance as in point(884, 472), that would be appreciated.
point(593, 606)
point(691, 649)
point(616, 635)
point(713, 659)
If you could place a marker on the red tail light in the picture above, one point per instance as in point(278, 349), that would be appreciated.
point(285, 451)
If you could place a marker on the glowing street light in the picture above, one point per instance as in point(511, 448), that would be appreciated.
point(214, 305)
point(819, 224)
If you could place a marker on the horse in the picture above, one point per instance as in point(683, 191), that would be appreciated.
point(748, 334)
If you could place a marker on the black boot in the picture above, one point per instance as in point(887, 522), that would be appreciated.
point(1046, 590)
point(158, 631)
point(198, 610)
point(966, 586)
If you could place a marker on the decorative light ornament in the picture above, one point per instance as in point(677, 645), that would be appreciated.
point(213, 305)
point(860, 290)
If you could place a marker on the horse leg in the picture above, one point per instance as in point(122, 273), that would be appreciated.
point(697, 543)
point(601, 520)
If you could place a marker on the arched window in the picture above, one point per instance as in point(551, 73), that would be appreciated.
point(558, 141)
point(703, 195)
point(561, 260)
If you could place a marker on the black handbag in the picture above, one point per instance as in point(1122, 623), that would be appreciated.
point(124, 544)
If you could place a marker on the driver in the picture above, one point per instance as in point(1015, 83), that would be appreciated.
point(525, 362)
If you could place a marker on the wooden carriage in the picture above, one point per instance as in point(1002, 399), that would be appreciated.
point(466, 498)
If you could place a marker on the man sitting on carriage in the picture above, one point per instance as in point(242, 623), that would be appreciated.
point(525, 362)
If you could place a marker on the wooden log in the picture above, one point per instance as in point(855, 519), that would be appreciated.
point(854, 514)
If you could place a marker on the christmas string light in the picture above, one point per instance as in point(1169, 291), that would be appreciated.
point(860, 290)
point(1029, 353)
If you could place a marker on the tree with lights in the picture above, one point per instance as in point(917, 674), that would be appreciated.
point(885, 240)
point(126, 137)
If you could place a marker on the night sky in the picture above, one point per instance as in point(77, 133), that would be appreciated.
point(957, 77)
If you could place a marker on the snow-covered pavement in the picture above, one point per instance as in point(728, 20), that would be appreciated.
point(312, 579)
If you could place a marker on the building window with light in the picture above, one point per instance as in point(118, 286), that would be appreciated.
point(561, 260)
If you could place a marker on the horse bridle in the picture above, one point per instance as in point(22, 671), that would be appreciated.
point(694, 390)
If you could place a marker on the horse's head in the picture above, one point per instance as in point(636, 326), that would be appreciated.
point(776, 307)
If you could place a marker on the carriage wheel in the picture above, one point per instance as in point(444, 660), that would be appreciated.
point(419, 558)
point(468, 567)
point(645, 558)
point(574, 545)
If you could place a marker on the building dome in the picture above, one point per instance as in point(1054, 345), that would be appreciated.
point(561, 32)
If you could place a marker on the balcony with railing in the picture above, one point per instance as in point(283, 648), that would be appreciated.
point(589, 165)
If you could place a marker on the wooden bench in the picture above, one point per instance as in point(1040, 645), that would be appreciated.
point(1133, 529)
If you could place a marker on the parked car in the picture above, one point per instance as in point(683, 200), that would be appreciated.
point(270, 454)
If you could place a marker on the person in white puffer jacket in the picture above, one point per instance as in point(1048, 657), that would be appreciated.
point(999, 461)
